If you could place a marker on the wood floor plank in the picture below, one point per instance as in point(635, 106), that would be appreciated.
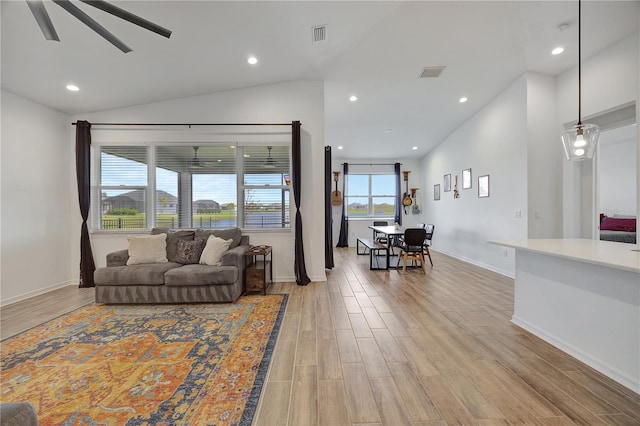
point(360, 325)
point(347, 346)
point(361, 403)
point(567, 405)
point(289, 327)
point(306, 353)
point(419, 407)
point(373, 360)
point(25, 314)
point(451, 410)
point(303, 409)
point(329, 366)
point(283, 360)
point(416, 356)
point(351, 304)
point(332, 403)
point(388, 346)
point(390, 404)
point(373, 318)
point(274, 404)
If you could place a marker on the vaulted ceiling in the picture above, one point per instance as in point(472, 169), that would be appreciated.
point(375, 50)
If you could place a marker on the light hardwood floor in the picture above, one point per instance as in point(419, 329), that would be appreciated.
point(386, 348)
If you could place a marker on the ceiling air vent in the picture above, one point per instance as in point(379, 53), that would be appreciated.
point(319, 33)
point(431, 72)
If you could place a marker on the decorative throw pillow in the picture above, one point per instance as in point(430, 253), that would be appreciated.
point(173, 237)
point(213, 251)
point(234, 234)
point(189, 252)
point(147, 249)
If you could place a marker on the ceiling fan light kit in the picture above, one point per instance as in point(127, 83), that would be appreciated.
point(580, 141)
point(270, 162)
point(39, 12)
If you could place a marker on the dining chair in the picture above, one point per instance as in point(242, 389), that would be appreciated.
point(382, 238)
point(411, 247)
point(427, 240)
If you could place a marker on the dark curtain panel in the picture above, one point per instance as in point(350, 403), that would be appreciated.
point(328, 211)
point(343, 239)
point(83, 173)
point(298, 264)
point(398, 215)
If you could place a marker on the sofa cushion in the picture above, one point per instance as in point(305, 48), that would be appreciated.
point(189, 252)
point(190, 275)
point(234, 234)
point(173, 237)
point(147, 249)
point(143, 274)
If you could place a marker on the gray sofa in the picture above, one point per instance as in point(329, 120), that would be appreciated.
point(171, 282)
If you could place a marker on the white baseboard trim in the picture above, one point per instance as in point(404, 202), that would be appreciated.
point(293, 279)
point(604, 368)
point(15, 299)
point(479, 264)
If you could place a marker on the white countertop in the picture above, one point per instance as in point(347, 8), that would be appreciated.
point(605, 253)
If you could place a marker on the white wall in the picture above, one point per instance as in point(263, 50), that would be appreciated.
point(359, 227)
point(276, 103)
point(36, 166)
point(617, 177)
point(609, 80)
point(544, 159)
point(493, 142)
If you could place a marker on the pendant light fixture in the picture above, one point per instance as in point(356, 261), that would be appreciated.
point(580, 140)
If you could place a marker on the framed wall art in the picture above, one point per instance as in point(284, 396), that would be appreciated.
point(466, 179)
point(436, 192)
point(483, 186)
point(447, 182)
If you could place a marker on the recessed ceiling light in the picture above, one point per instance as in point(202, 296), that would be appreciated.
point(463, 99)
point(353, 98)
point(72, 87)
point(388, 130)
point(414, 148)
point(252, 60)
point(557, 50)
point(340, 147)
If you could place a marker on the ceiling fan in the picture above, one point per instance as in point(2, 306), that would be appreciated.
point(270, 162)
point(44, 21)
point(195, 162)
point(199, 163)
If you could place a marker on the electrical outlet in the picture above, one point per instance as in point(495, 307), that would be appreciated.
point(505, 252)
point(517, 214)
point(536, 214)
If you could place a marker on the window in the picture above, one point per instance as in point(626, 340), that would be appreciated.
point(266, 187)
point(123, 188)
point(205, 186)
point(370, 195)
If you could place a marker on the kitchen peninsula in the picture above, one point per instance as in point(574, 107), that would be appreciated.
point(582, 296)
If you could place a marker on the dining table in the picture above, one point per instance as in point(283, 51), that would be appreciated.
point(392, 232)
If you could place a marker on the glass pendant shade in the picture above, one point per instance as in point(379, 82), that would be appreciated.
point(580, 141)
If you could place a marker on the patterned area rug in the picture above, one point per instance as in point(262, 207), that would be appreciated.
point(146, 365)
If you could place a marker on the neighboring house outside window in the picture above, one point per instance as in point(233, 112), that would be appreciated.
point(208, 186)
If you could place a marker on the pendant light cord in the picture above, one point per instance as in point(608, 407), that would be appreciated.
point(579, 64)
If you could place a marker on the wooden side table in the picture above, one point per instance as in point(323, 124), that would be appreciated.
point(259, 274)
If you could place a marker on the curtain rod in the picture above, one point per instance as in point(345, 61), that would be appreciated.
point(188, 124)
point(370, 164)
